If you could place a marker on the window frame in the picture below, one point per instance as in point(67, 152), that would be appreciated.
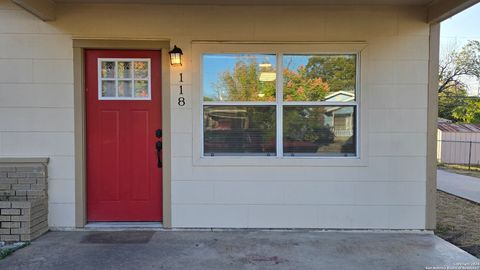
point(116, 79)
point(199, 49)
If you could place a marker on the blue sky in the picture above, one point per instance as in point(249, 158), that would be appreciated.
point(462, 27)
point(459, 29)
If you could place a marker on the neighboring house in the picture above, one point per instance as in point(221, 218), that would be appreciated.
point(90, 85)
point(340, 118)
point(443, 120)
point(458, 143)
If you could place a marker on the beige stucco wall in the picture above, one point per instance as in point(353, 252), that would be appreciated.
point(387, 190)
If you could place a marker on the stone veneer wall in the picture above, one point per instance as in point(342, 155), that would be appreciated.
point(23, 198)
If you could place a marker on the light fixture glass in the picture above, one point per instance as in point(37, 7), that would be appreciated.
point(176, 56)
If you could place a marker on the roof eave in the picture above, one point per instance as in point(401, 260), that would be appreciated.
point(437, 10)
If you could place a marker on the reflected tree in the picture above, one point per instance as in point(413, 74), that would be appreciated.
point(243, 83)
point(338, 71)
point(302, 86)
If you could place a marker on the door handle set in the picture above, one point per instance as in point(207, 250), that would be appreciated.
point(159, 147)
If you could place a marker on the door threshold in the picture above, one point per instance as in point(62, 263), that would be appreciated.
point(114, 226)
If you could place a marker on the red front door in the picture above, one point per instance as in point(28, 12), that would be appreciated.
point(123, 107)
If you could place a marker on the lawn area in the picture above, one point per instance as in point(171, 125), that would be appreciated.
point(461, 169)
point(458, 222)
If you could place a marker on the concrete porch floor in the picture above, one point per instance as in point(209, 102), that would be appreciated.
point(237, 250)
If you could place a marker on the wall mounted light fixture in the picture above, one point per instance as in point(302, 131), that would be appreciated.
point(176, 56)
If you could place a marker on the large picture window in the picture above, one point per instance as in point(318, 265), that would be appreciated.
point(280, 104)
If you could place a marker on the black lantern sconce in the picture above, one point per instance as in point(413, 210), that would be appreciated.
point(176, 56)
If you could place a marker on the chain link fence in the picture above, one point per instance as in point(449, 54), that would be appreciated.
point(464, 153)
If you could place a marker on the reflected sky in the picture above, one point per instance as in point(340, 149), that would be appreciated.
point(214, 65)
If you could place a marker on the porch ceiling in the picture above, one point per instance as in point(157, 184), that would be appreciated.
point(259, 2)
point(436, 10)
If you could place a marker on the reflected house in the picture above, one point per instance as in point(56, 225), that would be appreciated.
point(231, 129)
point(340, 118)
point(257, 124)
point(220, 129)
point(226, 119)
point(236, 131)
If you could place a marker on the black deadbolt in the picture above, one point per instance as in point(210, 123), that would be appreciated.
point(158, 133)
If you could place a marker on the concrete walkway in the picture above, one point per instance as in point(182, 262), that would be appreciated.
point(463, 186)
point(228, 250)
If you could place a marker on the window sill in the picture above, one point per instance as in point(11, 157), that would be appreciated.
point(266, 161)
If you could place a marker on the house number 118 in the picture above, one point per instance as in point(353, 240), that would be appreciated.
point(181, 100)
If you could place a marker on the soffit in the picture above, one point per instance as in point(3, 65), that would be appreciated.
point(257, 2)
point(436, 10)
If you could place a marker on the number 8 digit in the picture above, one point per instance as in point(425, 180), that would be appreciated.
point(181, 101)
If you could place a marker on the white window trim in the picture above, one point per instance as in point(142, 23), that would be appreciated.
point(116, 79)
point(200, 48)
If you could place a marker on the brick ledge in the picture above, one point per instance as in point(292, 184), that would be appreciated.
point(19, 160)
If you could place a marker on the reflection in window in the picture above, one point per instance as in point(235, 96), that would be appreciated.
point(319, 130)
point(239, 130)
point(140, 69)
point(124, 79)
point(108, 69)
point(315, 104)
point(141, 88)
point(239, 77)
point(319, 77)
point(124, 70)
point(108, 89)
point(124, 88)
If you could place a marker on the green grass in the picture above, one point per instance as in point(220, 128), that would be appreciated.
point(5, 252)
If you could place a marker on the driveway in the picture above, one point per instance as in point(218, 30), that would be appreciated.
point(225, 250)
point(463, 186)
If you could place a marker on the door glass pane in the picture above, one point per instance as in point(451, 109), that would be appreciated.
point(141, 88)
point(239, 130)
point(108, 89)
point(319, 131)
point(108, 69)
point(125, 79)
point(124, 70)
point(239, 77)
point(319, 77)
point(124, 88)
point(140, 69)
